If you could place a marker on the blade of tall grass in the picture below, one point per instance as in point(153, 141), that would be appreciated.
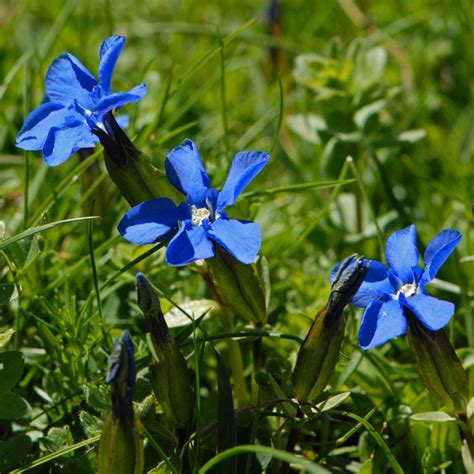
point(35, 230)
point(308, 466)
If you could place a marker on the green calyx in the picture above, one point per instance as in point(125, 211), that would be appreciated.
point(440, 370)
point(170, 377)
point(131, 170)
point(121, 447)
point(240, 289)
point(318, 355)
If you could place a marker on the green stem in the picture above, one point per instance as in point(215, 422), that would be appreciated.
point(292, 439)
point(236, 362)
point(360, 184)
point(235, 355)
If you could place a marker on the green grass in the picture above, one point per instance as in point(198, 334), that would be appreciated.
point(395, 96)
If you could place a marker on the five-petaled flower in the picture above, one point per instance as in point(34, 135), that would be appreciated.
point(387, 293)
point(77, 106)
point(195, 224)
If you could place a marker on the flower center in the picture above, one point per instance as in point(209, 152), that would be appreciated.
point(198, 215)
point(409, 290)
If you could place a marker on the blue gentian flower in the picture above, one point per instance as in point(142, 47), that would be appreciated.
point(201, 221)
point(77, 106)
point(386, 293)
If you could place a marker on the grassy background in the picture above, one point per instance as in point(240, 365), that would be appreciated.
point(412, 159)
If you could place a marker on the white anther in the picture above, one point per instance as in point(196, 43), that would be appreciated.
point(198, 215)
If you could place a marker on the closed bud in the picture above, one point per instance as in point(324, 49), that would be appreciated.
point(169, 375)
point(132, 172)
point(237, 287)
point(319, 352)
point(440, 370)
point(121, 439)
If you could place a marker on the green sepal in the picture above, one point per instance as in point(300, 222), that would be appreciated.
point(172, 385)
point(131, 170)
point(169, 375)
point(121, 447)
point(138, 180)
point(318, 355)
point(237, 287)
point(440, 370)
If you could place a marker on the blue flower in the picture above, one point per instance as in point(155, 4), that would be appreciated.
point(201, 221)
point(77, 105)
point(387, 293)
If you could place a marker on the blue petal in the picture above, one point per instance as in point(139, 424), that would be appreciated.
point(432, 312)
point(186, 172)
point(380, 323)
point(245, 166)
point(377, 270)
point(123, 120)
point(438, 250)
point(150, 221)
point(65, 141)
point(375, 286)
point(37, 125)
point(119, 99)
point(109, 54)
point(68, 80)
point(188, 245)
point(241, 239)
point(402, 253)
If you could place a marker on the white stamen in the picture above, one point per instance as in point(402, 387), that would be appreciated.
point(409, 290)
point(198, 215)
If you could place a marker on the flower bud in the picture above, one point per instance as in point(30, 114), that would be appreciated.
point(137, 179)
point(169, 375)
point(121, 440)
point(237, 287)
point(319, 352)
point(440, 370)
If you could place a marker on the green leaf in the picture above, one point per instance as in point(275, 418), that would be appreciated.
point(433, 416)
point(307, 126)
point(57, 454)
point(226, 430)
point(56, 439)
point(178, 317)
point(11, 367)
point(7, 293)
point(6, 336)
point(98, 397)
point(308, 466)
point(12, 406)
point(412, 136)
point(367, 467)
point(467, 457)
point(13, 451)
point(365, 116)
point(90, 423)
point(25, 251)
point(35, 230)
point(289, 408)
point(292, 188)
point(333, 402)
